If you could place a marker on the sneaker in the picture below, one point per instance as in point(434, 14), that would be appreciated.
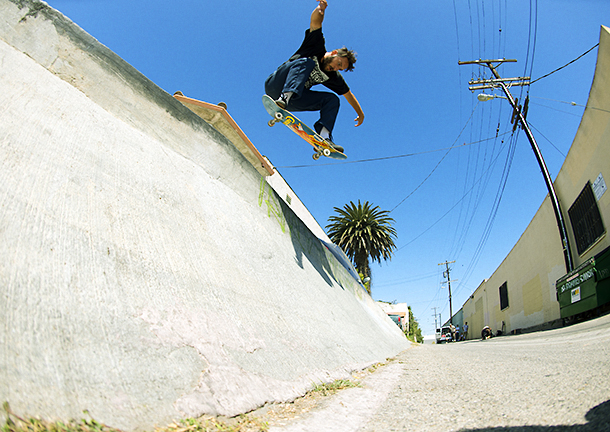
point(282, 102)
point(335, 146)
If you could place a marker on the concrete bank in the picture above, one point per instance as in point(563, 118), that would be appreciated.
point(147, 269)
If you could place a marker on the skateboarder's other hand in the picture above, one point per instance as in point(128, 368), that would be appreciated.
point(359, 120)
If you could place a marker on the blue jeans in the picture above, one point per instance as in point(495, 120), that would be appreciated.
point(291, 77)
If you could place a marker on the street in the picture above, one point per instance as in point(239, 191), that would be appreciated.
point(557, 380)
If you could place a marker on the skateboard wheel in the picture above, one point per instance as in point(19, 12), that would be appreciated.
point(326, 152)
point(315, 156)
point(271, 122)
point(278, 116)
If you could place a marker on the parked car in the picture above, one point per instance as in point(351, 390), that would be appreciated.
point(397, 319)
point(445, 335)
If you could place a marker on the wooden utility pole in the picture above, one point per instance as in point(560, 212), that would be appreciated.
point(519, 115)
point(446, 274)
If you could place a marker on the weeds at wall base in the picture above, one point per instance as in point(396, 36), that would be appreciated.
point(244, 423)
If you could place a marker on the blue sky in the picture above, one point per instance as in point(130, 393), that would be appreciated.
point(469, 204)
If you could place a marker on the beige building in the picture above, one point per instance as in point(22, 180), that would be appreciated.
point(521, 292)
point(401, 309)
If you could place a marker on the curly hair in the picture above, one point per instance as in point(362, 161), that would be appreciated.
point(350, 55)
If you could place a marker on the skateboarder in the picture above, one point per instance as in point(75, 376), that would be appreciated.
point(290, 85)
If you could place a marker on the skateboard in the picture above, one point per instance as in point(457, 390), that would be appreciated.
point(320, 145)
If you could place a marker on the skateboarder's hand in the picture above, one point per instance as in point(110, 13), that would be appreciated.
point(317, 16)
point(349, 96)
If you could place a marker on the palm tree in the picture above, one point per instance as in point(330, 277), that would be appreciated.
point(363, 232)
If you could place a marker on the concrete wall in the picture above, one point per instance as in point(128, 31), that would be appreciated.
point(536, 262)
point(147, 270)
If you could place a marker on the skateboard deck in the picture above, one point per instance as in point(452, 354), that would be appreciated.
point(320, 145)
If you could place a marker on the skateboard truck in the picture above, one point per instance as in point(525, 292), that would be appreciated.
point(278, 117)
point(321, 151)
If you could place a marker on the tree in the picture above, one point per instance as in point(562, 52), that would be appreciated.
point(363, 232)
point(414, 333)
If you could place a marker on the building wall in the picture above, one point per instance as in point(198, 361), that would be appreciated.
point(536, 261)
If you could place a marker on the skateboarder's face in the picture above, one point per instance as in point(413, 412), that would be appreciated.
point(332, 62)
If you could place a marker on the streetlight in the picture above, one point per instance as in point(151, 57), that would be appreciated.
point(483, 97)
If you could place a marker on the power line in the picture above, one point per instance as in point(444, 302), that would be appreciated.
point(454, 206)
point(476, 203)
point(439, 162)
point(570, 103)
point(557, 109)
point(391, 157)
point(494, 210)
point(457, 33)
point(469, 208)
point(550, 142)
point(384, 157)
point(567, 64)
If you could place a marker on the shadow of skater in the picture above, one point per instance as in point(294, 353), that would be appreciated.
point(598, 420)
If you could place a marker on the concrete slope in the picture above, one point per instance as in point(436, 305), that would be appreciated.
point(147, 270)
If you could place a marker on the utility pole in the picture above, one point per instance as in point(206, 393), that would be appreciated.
point(446, 274)
point(519, 114)
point(435, 322)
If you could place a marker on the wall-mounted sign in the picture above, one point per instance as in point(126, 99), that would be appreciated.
point(599, 186)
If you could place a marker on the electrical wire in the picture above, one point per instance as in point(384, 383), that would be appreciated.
point(457, 33)
point(570, 103)
point(383, 158)
point(567, 64)
point(476, 198)
point(542, 135)
point(438, 164)
point(557, 109)
point(450, 209)
point(469, 207)
point(494, 210)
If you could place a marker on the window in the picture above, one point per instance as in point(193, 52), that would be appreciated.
point(585, 218)
point(503, 296)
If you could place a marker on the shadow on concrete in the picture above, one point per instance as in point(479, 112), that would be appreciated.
point(306, 244)
point(598, 420)
point(329, 261)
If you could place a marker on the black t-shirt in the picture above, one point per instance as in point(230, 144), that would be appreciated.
point(314, 47)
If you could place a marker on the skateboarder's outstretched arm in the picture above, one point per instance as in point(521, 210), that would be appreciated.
point(317, 16)
point(349, 96)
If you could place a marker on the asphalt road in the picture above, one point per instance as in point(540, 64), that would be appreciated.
point(552, 381)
